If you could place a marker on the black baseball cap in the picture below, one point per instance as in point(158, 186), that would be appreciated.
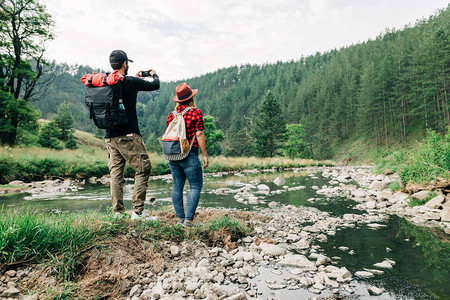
point(118, 56)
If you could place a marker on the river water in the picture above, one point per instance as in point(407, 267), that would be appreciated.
point(420, 253)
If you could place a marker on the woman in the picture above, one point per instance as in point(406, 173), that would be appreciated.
point(190, 167)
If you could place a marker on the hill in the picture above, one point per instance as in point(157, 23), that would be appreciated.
point(384, 92)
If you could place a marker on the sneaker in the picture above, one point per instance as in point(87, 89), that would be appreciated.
point(192, 224)
point(180, 221)
point(119, 215)
point(144, 215)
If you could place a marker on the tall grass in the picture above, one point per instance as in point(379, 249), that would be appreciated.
point(32, 237)
point(36, 163)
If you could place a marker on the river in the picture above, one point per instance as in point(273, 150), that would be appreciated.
point(417, 251)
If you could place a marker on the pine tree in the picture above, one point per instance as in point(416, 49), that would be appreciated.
point(71, 143)
point(48, 136)
point(64, 121)
point(213, 136)
point(269, 128)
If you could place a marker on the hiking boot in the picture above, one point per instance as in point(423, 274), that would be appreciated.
point(119, 215)
point(192, 224)
point(144, 215)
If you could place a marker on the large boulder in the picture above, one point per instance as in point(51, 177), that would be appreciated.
point(436, 202)
point(445, 215)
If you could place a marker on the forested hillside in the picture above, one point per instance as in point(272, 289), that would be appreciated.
point(386, 90)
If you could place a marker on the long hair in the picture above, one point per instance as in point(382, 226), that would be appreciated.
point(191, 103)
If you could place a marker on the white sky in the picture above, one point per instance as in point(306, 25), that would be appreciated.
point(183, 39)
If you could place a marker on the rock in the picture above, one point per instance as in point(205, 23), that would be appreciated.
point(374, 271)
point(271, 249)
point(10, 273)
point(11, 292)
point(298, 261)
point(385, 195)
point(371, 204)
point(276, 286)
point(364, 274)
point(302, 244)
point(388, 172)
point(292, 238)
point(158, 290)
point(323, 260)
point(174, 250)
point(279, 181)
point(374, 291)
point(445, 215)
point(247, 256)
point(359, 193)
point(436, 202)
point(135, 290)
point(421, 195)
point(377, 186)
point(191, 287)
point(384, 265)
point(240, 296)
point(343, 248)
point(262, 188)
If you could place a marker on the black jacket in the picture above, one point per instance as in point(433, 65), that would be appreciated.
point(131, 86)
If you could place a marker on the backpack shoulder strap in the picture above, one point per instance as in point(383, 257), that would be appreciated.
point(185, 110)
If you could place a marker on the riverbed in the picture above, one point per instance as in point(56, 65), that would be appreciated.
point(419, 270)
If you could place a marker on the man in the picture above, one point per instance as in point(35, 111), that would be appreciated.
point(126, 145)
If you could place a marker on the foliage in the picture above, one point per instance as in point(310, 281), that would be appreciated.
point(25, 27)
point(269, 128)
point(15, 111)
point(415, 202)
point(71, 143)
point(431, 161)
point(296, 146)
point(213, 136)
point(434, 250)
point(48, 136)
point(153, 143)
point(64, 121)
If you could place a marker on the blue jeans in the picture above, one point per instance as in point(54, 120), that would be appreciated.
point(190, 169)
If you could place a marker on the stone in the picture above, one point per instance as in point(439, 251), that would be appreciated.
point(11, 292)
point(271, 249)
point(292, 238)
point(364, 274)
point(436, 202)
point(239, 296)
point(135, 290)
point(263, 188)
point(191, 287)
point(279, 181)
point(377, 186)
point(174, 250)
point(276, 286)
point(301, 244)
point(323, 260)
point(374, 271)
point(157, 290)
point(421, 195)
point(385, 195)
point(374, 291)
point(445, 215)
point(384, 265)
point(10, 273)
point(298, 261)
point(371, 204)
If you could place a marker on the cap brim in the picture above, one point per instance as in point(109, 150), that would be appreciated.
point(130, 60)
point(175, 98)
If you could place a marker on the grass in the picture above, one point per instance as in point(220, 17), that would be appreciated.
point(35, 163)
point(416, 202)
point(61, 241)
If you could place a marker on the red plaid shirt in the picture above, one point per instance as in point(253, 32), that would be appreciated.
point(193, 119)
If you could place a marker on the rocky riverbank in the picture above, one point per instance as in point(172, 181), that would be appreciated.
point(280, 254)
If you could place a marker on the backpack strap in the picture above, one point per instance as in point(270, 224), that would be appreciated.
point(104, 79)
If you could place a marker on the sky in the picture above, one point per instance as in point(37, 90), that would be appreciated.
point(184, 39)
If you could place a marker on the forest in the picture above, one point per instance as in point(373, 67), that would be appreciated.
point(386, 91)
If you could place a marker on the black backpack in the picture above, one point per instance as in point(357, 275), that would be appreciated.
point(106, 105)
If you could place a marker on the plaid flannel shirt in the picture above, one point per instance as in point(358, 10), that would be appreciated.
point(193, 119)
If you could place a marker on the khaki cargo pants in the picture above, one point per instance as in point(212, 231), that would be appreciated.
point(128, 148)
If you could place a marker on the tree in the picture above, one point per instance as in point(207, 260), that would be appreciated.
point(213, 136)
point(64, 121)
point(269, 128)
point(48, 136)
point(25, 26)
point(153, 143)
point(16, 111)
point(295, 146)
point(71, 143)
